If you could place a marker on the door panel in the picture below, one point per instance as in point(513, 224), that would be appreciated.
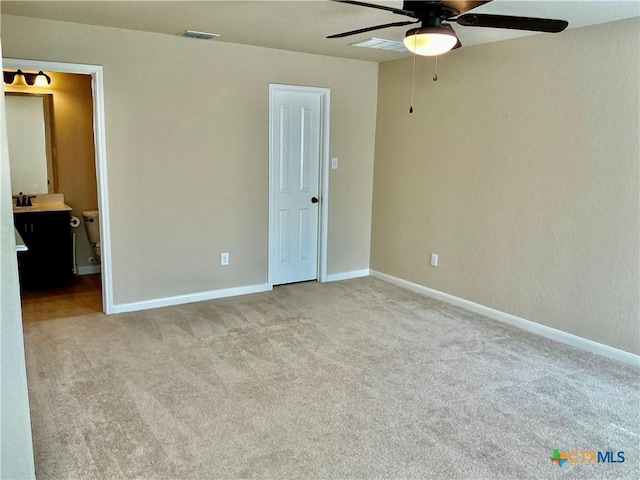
point(284, 150)
point(296, 133)
point(283, 235)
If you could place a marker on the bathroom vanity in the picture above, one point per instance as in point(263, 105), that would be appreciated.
point(20, 245)
point(46, 231)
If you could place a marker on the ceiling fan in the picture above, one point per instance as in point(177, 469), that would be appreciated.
point(435, 35)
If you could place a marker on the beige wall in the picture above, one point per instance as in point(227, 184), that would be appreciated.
point(187, 147)
point(520, 168)
point(75, 158)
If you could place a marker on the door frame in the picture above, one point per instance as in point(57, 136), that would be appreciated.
point(99, 138)
point(323, 175)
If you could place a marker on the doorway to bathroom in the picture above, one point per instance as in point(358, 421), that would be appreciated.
point(79, 173)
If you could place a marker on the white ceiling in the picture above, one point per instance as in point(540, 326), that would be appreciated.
point(303, 25)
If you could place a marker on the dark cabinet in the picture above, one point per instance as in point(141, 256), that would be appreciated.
point(49, 261)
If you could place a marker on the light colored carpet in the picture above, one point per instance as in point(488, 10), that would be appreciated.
point(357, 379)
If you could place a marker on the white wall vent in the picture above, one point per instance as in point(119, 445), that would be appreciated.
point(198, 35)
point(381, 44)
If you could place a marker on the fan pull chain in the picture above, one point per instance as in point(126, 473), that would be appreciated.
point(413, 79)
point(435, 72)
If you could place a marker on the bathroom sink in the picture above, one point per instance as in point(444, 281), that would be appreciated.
point(42, 207)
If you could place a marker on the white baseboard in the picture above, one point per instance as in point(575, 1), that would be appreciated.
point(528, 325)
point(88, 269)
point(336, 277)
point(190, 298)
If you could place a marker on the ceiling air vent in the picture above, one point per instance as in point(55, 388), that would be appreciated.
point(198, 35)
point(381, 44)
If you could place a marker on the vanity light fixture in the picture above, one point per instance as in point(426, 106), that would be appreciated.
point(42, 79)
point(39, 79)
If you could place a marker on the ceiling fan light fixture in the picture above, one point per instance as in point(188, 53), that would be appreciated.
point(430, 41)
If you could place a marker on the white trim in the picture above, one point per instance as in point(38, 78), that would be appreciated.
point(323, 235)
point(336, 277)
point(88, 269)
point(101, 157)
point(58, 67)
point(324, 185)
point(528, 325)
point(190, 298)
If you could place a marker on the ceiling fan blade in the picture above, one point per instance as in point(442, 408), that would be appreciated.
point(369, 29)
point(463, 6)
point(514, 23)
point(379, 7)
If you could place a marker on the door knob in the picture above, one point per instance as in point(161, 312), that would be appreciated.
point(314, 200)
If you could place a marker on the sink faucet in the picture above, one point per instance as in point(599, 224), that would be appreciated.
point(23, 200)
point(19, 201)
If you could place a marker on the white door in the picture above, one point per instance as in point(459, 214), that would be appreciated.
point(296, 131)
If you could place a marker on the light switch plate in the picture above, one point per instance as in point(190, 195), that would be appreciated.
point(334, 163)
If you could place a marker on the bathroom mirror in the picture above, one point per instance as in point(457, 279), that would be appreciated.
point(29, 134)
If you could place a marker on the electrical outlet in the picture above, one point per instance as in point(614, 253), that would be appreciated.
point(434, 259)
point(35, 187)
point(224, 258)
